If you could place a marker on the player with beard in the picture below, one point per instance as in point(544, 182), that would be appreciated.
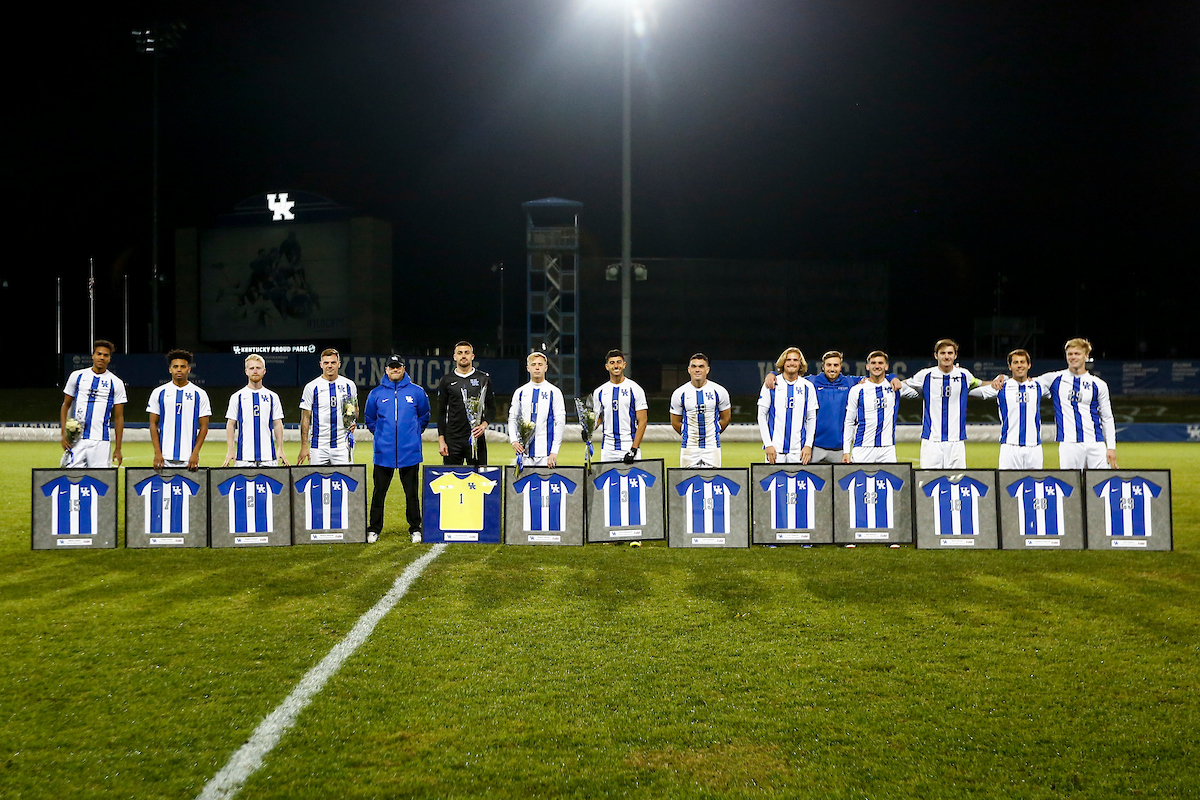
point(454, 428)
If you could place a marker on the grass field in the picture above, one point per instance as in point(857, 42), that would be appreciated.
point(606, 670)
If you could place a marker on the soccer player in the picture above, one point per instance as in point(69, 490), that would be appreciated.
point(869, 435)
point(454, 428)
point(700, 410)
point(98, 398)
point(254, 422)
point(397, 413)
point(621, 410)
point(1020, 401)
point(944, 391)
point(541, 403)
point(787, 413)
point(322, 426)
point(179, 413)
point(1083, 418)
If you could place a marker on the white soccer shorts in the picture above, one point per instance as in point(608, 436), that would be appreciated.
point(700, 457)
point(1074, 455)
point(873, 455)
point(325, 456)
point(943, 455)
point(91, 453)
point(1014, 456)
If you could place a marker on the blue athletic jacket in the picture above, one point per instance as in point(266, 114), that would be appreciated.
point(397, 413)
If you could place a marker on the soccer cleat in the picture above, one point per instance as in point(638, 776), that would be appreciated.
point(372, 537)
point(416, 536)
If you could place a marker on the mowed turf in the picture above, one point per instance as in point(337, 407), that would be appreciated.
point(607, 670)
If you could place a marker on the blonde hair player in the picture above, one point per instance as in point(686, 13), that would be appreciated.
point(254, 421)
point(541, 403)
point(787, 412)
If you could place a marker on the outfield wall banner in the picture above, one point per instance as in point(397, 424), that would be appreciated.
point(1042, 509)
point(956, 510)
point(708, 507)
point(167, 508)
point(329, 504)
point(625, 501)
point(462, 504)
point(74, 509)
point(792, 503)
point(872, 504)
point(544, 506)
point(250, 507)
point(1128, 509)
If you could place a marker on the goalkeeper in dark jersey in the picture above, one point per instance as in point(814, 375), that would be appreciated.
point(454, 425)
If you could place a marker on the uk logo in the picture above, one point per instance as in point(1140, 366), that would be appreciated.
point(280, 206)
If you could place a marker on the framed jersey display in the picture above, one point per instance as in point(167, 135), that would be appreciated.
point(956, 509)
point(167, 508)
point(74, 509)
point(462, 504)
point(625, 501)
point(708, 507)
point(544, 505)
point(1041, 509)
point(872, 504)
point(1128, 509)
point(249, 507)
point(329, 504)
point(792, 503)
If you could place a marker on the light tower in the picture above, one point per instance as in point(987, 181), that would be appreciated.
point(552, 287)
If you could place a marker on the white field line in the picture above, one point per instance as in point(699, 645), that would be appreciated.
point(246, 761)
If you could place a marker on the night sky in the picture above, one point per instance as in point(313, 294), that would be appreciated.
point(1050, 151)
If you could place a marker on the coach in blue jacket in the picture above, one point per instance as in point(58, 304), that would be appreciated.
point(397, 414)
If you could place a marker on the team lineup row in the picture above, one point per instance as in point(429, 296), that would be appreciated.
point(826, 418)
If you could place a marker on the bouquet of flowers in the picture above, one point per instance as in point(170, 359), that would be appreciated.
point(587, 424)
point(474, 408)
point(525, 431)
point(349, 417)
point(349, 411)
point(74, 430)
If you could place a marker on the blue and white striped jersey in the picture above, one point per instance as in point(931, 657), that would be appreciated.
point(179, 409)
point(1127, 505)
point(787, 415)
point(701, 410)
point(166, 502)
point(255, 411)
point(706, 503)
point(95, 395)
point(871, 498)
point(955, 505)
point(945, 398)
point(1040, 505)
point(1082, 411)
point(323, 399)
point(543, 405)
point(74, 509)
point(1020, 407)
point(624, 496)
point(793, 499)
point(544, 501)
point(619, 404)
point(251, 503)
point(871, 410)
point(325, 500)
